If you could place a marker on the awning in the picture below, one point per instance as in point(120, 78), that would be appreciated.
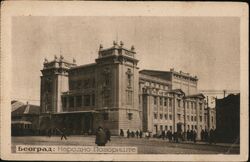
point(21, 122)
point(76, 112)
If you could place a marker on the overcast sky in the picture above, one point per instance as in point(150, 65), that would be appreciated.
point(204, 46)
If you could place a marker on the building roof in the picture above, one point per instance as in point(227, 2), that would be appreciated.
point(83, 66)
point(198, 95)
point(20, 122)
point(167, 74)
point(19, 108)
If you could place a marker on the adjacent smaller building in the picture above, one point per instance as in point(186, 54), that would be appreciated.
point(228, 118)
point(24, 118)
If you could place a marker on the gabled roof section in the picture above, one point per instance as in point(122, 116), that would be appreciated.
point(199, 95)
point(177, 91)
point(24, 109)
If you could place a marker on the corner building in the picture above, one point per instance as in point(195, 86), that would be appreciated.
point(114, 94)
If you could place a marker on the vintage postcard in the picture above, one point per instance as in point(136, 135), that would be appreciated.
point(124, 81)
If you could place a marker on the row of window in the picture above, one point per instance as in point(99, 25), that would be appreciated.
point(193, 118)
point(82, 84)
point(166, 127)
point(164, 87)
point(78, 101)
point(166, 116)
point(168, 102)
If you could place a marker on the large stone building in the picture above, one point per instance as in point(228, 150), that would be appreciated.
point(113, 93)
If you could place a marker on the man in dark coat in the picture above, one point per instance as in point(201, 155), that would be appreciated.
point(101, 138)
point(63, 132)
point(202, 135)
point(128, 133)
point(163, 134)
point(191, 135)
point(194, 136)
point(121, 132)
point(108, 134)
point(140, 134)
point(137, 133)
point(206, 135)
point(211, 136)
point(188, 135)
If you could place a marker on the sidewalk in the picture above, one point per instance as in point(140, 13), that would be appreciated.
point(217, 144)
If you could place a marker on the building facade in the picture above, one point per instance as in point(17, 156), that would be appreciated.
point(114, 94)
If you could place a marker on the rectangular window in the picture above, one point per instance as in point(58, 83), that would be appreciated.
point(170, 117)
point(188, 118)
point(200, 106)
point(71, 101)
point(93, 99)
point(179, 116)
point(161, 101)
point(195, 118)
point(86, 100)
point(192, 118)
point(78, 101)
point(155, 100)
point(165, 101)
point(187, 104)
point(155, 115)
point(161, 116)
point(166, 116)
point(130, 116)
point(161, 127)
point(200, 118)
point(129, 97)
point(170, 128)
point(64, 102)
point(179, 103)
point(166, 127)
point(105, 116)
point(170, 102)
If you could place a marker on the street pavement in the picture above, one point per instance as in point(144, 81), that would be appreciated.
point(145, 146)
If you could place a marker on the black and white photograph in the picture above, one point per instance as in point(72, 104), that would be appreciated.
point(145, 83)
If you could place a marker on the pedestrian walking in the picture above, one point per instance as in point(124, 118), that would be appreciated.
point(163, 134)
point(121, 133)
point(101, 138)
point(108, 135)
point(206, 135)
point(188, 135)
point(63, 132)
point(132, 134)
point(194, 136)
point(191, 135)
point(140, 134)
point(202, 135)
point(128, 133)
point(137, 133)
point(211, 136)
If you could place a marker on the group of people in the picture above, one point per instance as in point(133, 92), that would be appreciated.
point(191, 135)
point(208, 136)
point(176, 136)
point(137, 133)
